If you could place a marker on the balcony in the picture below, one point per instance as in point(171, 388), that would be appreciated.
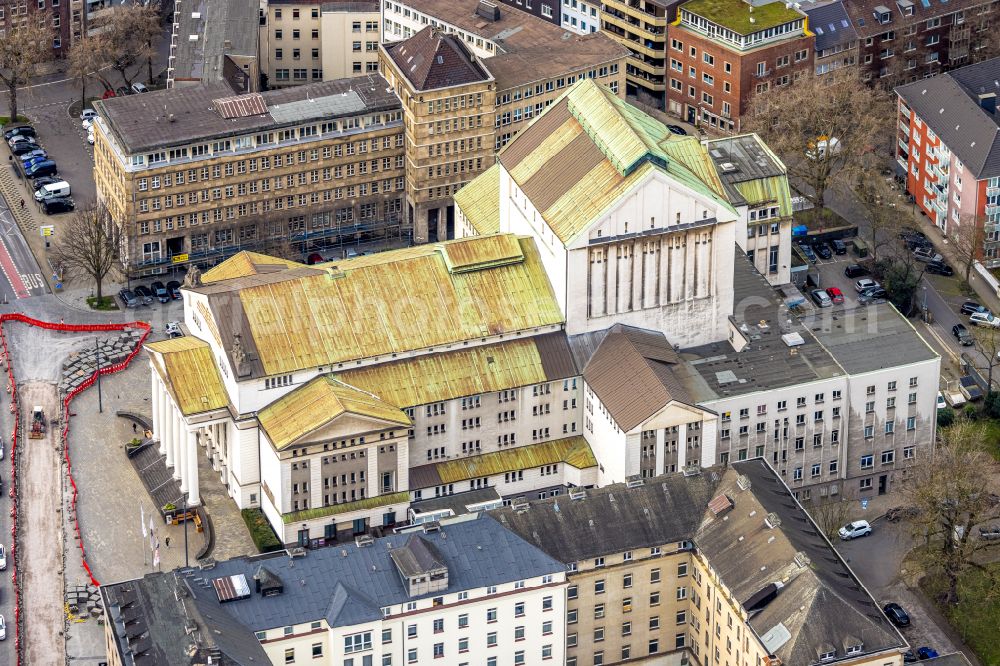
point(992, 191)
point(760, 75)
point(993, 210)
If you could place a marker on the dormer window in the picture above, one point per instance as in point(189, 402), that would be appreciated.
point(828, 656)
point(882, 14)
point(855, 649)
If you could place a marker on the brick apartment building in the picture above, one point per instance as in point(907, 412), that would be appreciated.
point(59, 14)
point(948, 146)
point(722, 52)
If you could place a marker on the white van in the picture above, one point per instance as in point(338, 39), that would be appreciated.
point(60, 189)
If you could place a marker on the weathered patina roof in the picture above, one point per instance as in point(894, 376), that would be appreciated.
point(316, 403)
point(573, 451)
point(388, 303)
point(244, 264)
point(436, 377)
point(188, 369)
point(480, 201)
point(346, 507)
point(590, 148)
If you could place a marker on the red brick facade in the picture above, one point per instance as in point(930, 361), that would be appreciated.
point(724, 79)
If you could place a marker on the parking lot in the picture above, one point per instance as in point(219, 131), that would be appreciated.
point(830, 273)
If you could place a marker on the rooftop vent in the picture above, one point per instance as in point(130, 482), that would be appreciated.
point(743, 482)
point(432, 526)
point(231, 588)
point(728, 167)
point(692, 470)
point(296, 552)
point(577, 494)
point(772, 521)
point(633, 481)
point(363, 540)
point(488, 10)
point(720, 505)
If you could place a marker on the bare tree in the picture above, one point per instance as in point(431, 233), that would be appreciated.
point(90, 245)
point(822, 126)
point(831, 516)
point(967, 237)
point(22, 47)
point(879, 201)
point(950, 498)
point(987, 341)
point(86, 57)
point(128, 39)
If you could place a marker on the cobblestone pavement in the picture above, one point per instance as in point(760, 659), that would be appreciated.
point(40, 534)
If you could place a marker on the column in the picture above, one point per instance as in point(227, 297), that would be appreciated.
point(194, 497)
point(162, 432)
point(659, 464)
point(154, 403)
point(182, 453)
point(167, 436)
point(682, 446)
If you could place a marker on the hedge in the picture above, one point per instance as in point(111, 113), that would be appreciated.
point(260, 531)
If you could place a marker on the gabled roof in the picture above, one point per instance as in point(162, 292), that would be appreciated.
point(631, 371)
point(417, 556)
point(434, 59)
point(383, 304)
point(187, 367)
point(244, 264)
point(949, 104)
point(590, 148)
point(316, 403)
point(480, 201)
point(446, 375)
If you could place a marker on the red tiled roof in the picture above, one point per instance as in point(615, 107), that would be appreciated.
point(431, 59)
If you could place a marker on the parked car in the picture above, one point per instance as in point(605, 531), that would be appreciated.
point(315, 258)
point(962, 334)
point(836, 295)
point(3, 629)
point(677, 129)
point(108, 93)
point(839, 246)
point(854, 270)
point(37, 152)
point(910, 657)
point(855, 530)
point(984, 319)
point(927, 254)
point(21, 130)
point(896, 614)
point(90, 137)
point(24, 147)
point(808, 251)
point(88, 114)
point(873, 294)
point(138, 88)
point(143, 294)
point(59, 188)
point(925, 652)
point(46, 168)
point(865, 283)
point(121, 91)
point(58, 205)
point(160, 291)
point(823, 250)
point(174, 289)
point(940, 268)
point(21, 138)
point(969, 307)
point(128, 298)
point(30, 160)
point(821, 297)
point(3, 558)
point(87, 124)
point(174, 329)
point(39, 183)
point(941, 404)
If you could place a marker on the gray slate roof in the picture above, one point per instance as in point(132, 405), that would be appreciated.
point(183, 115)
point(752, 159)
point(222, 27)
point(821, 602)
point(949, 104)
point(347, 585)
point(615, 518)
point(831, 25)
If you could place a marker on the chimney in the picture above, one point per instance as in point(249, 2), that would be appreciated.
point(989, 102)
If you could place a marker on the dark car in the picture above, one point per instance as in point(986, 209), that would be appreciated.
point(128, 298)
point(33, 158)
point(46, 168)
point(58, 205)
point(873, 294)
point(823, 250)
point(962, 334)
point(160, 292)
point(970, 307)
point(910, 657)
point(24, 147)
point(853, 271)
point(926, 653)
point(315, 258)
point(174, 288)
point(896, 615)
point(143, 292)
point(677, 129)
point(808, 251)
point(839, 246)
point(121, 91)
point(940, 268)
point(38, 183)
point(23, 130)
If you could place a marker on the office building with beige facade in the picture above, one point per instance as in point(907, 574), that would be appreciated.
point(721, 566)
point(306, 42)
point(195, 174)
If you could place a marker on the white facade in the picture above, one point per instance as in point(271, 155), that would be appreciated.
point(767, 240)
point(581, 17)
point(400, 21)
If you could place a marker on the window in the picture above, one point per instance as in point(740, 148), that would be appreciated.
point(599, 587)
point(290, 656)
point(317, 650)
point(598, 611)
point(888, 457)
point(491, 614)
point(682, 593)
point(626, 628)
point(867, 461)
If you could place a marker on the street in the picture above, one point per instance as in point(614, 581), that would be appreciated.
point(22, 276)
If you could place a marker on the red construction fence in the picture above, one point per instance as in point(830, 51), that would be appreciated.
point(5, 361)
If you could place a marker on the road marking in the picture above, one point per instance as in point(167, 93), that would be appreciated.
point(10, 271)
point(954, 357)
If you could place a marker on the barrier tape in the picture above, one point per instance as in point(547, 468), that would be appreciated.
point(15, 409)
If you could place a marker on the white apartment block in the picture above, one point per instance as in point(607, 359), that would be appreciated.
point(581, 16)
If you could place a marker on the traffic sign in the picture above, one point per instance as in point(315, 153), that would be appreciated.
point(864, 503)
point(48, 230)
